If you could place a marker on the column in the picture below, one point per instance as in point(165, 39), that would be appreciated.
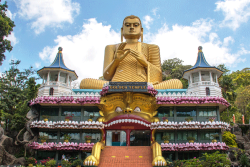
point(210, 73)
point(175, 114)
point(128, 137)
point(48, 78)
point(216, 78)
point(191, 80)
point(43, 79)
point(60, 113)
point(67, 80)
point(199, 76)
point(58, 80)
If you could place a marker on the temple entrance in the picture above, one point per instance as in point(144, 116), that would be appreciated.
point(140, 138)
point(116, 138)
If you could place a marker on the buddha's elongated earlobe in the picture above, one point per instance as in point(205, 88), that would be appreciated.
point(121, 35)
point(141, 34)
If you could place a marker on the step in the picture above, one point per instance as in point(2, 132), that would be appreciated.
point(123, 156)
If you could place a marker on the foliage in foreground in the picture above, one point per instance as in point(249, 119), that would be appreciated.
point(207, 160)
point(6, 26)
point(229, 139)
point(16, 88)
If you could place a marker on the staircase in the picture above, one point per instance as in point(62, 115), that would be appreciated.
point(123, 156)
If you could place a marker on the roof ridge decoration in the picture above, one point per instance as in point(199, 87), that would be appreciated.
point(59, 62)
point(201, 62)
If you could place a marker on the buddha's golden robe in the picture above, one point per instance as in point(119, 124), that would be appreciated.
point(130, 70)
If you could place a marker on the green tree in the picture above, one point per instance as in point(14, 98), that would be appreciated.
point(16, 89)
point(6, 25)
point(173, 69)
point(243, 99)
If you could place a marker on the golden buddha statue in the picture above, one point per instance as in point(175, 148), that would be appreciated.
point(132, 61)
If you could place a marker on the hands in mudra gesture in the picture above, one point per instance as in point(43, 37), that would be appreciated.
point(121, 53)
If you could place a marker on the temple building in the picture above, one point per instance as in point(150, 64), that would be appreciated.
point(177, 123)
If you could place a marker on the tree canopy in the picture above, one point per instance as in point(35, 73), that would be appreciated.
point(173, 69)
point(6, 26)
point(16, 89)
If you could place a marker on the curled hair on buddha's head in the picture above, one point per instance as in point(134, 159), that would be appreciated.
point(131, 17)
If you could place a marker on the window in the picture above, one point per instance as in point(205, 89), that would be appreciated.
point(63, 77)
point(186, 111)
point(209, 135)
point(187, 155)
point(195, 77)
point(205, 76)
point(50, 134)
point(182, 135)
point(73, 135)
point(214, 77)
point(207, 91)
point(165, 112)
point(45, 154)
point(160, 134)
point(51, 111)
point(51, 91)
point(88, 111)
point(95, 135)
point(53, 76)
point(74, 111)
point(207, 111)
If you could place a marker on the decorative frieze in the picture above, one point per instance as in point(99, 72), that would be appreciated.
point(61, 146)
point(190, 125)
point(193, 146)
point(67, 125)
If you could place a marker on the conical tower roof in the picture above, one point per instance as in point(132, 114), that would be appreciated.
point(201, 63)
point(58, 64)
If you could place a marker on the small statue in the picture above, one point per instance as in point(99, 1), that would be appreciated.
point(132, 61)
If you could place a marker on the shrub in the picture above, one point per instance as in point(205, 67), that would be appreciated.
point(179, 163)
point(66, 163)
point(229, 139)
point(77, 162)
point(215, 159)
point(244, 161)
point(31, 160)
point(44, 161)
point(194, 162)
point(51, 162)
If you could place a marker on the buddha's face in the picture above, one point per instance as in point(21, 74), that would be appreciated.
point(131, 28)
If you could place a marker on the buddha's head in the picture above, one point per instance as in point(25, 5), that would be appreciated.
point(131, 28)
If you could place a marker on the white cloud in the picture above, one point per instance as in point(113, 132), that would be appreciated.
point(10, 15)
point(37, 64)
point(235, 12)
point(183, 41)
point(47, 13)
point(12, 38)
point(154, 11)
point(147, 20)
point(84, 52)
point(228, 40)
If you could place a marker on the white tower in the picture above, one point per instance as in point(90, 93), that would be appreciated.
point(203, 78)
point(57, 77)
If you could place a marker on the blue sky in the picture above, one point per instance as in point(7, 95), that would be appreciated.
point(83, 29)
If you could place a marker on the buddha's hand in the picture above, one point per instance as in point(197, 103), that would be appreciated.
point(120, 53)
point(139, 57)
